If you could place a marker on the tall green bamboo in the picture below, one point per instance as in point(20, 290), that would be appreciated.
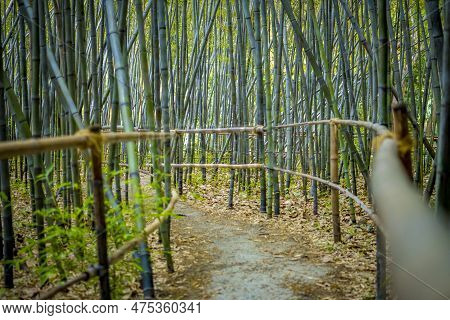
point(7, 241)
point(36, 131)
point(383, 106)
point(443, 154)
point(254, 34)
point(163, 54)
point(125, 110)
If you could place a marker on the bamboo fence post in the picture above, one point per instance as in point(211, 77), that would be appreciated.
point(99, 212)
point(334, 175)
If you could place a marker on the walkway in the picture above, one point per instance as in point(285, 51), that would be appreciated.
point(220, 258)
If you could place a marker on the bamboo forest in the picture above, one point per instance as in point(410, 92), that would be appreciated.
point(225, 149)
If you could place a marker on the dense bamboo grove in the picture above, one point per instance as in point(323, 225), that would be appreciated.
point(156, 65)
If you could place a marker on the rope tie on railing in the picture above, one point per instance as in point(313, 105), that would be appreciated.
point(404, 144)
point(94, 139)
point(334, 121)
point(378, 140)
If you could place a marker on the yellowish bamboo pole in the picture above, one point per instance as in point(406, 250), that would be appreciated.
point(218, 165)
point(254, 130)
point(32, 146)
point(377, 128)
point(82, 140)
point(301, 124)
point(334, 176)
point(206, 165)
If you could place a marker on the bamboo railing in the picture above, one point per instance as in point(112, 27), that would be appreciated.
point(256, 129)
point(94, 140)
point(377, 128)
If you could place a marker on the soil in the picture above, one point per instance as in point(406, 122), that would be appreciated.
point(239, 253)
point(243, 261)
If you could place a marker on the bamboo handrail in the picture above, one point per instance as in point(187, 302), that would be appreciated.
point(255, 129)
point(32, 146)
point(335, 186)
point(344, 191)
point(115, 257)
point(218, 165)
point(82, 139)
point(115, 137)
point(301, 124)
point(205, 165)
point(378, 128)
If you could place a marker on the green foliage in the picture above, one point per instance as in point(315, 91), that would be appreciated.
point(70, 247)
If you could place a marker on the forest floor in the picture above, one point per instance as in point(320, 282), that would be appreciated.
point(235, 259)
point(237, 253)
point(241, 254)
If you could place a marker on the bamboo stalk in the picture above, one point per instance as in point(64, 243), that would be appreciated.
point(163, 55)
point(334, 170)
point(99, 214)
point(6, 223)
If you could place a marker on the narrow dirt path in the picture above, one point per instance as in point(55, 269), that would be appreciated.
point(238, 260)
point(240, 254)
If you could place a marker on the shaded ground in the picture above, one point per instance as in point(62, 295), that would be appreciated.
point(240, 261)
point(232, 258)
point(240, 254)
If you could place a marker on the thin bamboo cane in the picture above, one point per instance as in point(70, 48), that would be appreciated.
point(377, 128)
